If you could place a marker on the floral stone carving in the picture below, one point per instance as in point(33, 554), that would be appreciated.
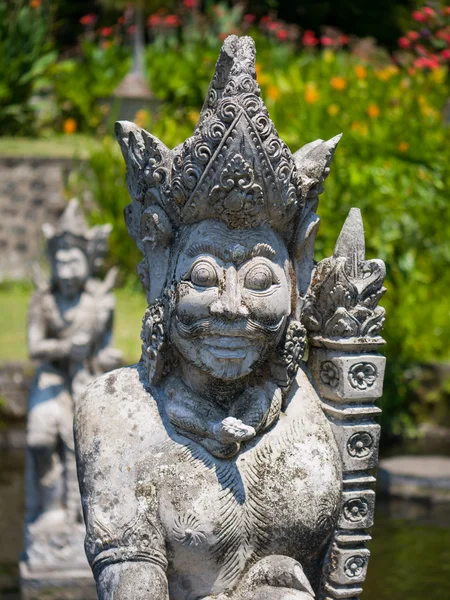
point(69, 333)
point(211, 469)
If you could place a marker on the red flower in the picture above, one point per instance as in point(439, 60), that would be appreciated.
point(154, 20)
point(413, 35)
point(282, 35)
point(171, 21)
point(131, 29)
point(444, 34)
point(106, 31)
point(427, 63)
point(428, 11)
point(265, 19)
point(326, 41)
point(89, 19)
point(249, 19)
point(404, 43)
point(272, 26)
point(309, 38)
point(419, 16)
point(445, 11)
point(446, 54)
point(121, 20)
point(343, 40)
point(191, 4)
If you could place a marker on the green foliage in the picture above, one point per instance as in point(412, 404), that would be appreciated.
point(84, 83)
point(26, 55)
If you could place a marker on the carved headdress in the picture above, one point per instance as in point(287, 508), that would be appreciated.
point(234, 168)
point(71, 231)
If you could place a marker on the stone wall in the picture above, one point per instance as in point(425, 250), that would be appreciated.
point(31, 193)
point(15, 383)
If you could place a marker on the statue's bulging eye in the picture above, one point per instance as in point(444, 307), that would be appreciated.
point(259, 278)
point(204, 275)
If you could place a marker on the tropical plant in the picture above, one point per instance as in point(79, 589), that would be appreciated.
point(26, 53)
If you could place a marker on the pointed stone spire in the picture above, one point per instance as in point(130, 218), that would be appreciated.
point(72, 220)
point(351, 243)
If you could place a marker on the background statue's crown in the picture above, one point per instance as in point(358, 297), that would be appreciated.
point(71, 231)
point(234, 167)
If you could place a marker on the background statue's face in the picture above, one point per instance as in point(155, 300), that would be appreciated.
point(71, 270)
point(233, 297)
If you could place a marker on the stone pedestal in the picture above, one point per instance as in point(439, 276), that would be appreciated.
point(62, 584)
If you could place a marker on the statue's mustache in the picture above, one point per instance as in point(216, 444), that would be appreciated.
point(249, 328)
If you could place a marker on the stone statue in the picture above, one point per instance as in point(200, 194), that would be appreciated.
point(223, 465)
point(69, 332)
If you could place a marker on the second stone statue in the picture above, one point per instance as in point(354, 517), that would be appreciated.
point(213, 469)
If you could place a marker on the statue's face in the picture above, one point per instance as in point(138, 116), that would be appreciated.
point(71, 270)
point(233, 297)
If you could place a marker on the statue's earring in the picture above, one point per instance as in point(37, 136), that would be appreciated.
point(154, 341)
point(289, 355)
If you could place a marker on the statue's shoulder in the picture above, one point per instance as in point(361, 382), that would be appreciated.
point(119, 407)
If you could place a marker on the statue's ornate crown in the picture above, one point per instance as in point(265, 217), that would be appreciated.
point(71, 231)
point(234, 168)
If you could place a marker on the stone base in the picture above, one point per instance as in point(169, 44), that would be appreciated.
point(416, 477)
point(56, 584)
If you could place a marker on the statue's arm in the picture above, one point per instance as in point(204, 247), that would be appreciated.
point(41, 347)
point(124, 542)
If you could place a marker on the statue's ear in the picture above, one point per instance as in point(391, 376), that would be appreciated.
point(156, 236)
point(148, 222)
point(145, 157)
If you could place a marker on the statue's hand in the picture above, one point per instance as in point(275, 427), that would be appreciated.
point(275, 577)
point(81, 346)
point(233, 430)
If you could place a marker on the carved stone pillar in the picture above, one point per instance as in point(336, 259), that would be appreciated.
point(348, 374)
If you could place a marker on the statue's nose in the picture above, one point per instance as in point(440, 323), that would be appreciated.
point(229, 304)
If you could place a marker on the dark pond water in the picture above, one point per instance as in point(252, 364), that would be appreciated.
point(410, 551)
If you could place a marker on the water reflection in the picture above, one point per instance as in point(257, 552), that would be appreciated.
point(410, 552)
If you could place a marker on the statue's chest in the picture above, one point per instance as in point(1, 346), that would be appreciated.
point(65, 318)
point(279, 497)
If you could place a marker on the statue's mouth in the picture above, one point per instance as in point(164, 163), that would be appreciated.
point(232, 346)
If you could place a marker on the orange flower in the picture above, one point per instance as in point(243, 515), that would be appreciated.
point(35, 3)
point(69, 126)
point(373, 111)
point(311, 93)
point(273, 92)
point(333, 110)
point(338, 83)
point(403, 146)
point(193, 116)
point(361, 72)
point(142, 118)
point(360, 128)
point(260, 76)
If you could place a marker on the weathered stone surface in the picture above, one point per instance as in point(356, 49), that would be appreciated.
point(416, 477)
point(213, 468)
point(69, 333)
